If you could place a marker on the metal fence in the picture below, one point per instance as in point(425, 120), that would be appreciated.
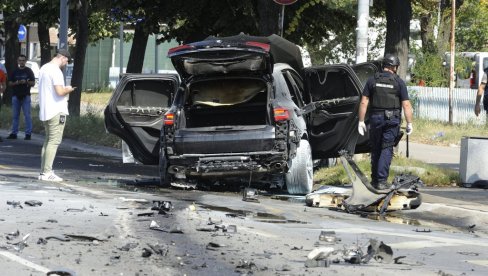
point(432, 103)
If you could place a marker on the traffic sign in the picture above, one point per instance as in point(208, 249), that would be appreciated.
point(22, 33)
point(285, 2)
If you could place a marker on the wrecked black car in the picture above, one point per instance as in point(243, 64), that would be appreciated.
point(241, 107)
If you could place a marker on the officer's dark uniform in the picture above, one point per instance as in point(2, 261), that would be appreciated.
point(485, 94)
point(385, 91)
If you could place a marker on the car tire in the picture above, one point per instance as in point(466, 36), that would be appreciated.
point(164, 177)
point(299, 178)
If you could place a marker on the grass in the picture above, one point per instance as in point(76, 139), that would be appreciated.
point(429, 174)
point(443, 134)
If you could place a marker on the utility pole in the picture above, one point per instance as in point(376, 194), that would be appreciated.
point(362, 31)
point(452, 58)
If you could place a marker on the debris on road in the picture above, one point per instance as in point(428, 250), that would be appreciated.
point(328, 236)
point(214, 246)
point(379, 251)
point(250, 195)
point(76, 209)
point(61, 272)
point(147, 214)
point(159, 249)
point(12, 235)
point(15, 204)
point(325, 256)
point(52, 221)
point(175, 230)
point(128, 246)
point(33, 203)
point(146, 253)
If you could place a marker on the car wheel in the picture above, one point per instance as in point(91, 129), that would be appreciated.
point(299, 178)
point(164, 177)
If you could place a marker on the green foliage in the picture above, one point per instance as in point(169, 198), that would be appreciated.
point(326, 28)
point(429, 68)
point(472, 26)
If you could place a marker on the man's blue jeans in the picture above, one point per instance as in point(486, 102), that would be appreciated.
point(25, 105)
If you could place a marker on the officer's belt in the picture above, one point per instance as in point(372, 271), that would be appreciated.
point(396, 112)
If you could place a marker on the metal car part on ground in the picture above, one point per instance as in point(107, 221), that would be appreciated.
point(403, 194)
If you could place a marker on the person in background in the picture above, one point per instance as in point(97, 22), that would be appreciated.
point(482, 91)
point(53, 110)
point(21, 80)
point(386, 94)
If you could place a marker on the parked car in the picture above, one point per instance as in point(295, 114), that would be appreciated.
point(240, 112)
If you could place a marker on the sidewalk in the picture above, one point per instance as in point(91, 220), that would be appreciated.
point(443, 156)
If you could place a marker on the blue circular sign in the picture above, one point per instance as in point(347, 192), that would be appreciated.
point(22, 33)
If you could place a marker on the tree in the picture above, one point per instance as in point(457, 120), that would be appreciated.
point(398, 16)
point(472, 26)
point(81, 15)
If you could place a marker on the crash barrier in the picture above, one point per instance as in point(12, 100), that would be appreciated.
point(432, 103)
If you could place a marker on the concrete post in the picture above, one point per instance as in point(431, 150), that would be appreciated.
point(362, 31)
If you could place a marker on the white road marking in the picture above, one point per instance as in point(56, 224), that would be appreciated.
point(24, 262)
point(478, 262)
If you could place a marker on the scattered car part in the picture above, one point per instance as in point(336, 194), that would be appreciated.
point(328, 236)
point(128, 246)
point(159, 249)
point(61, 272)
point(250, 194)
point(33, 203)
point(379, 251)
point(14, 204)
point(366, 198)
point(231, 229)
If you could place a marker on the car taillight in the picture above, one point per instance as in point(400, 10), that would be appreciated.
point(472, 80)
point(263, 46)
point(179, 48)
point(281, 114)
point(169, 119)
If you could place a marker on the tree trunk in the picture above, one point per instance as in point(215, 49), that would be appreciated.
point(427, 34)
point(444, 32)
point(398, 15)
point(138, 50)
point(268, 17)
point(79, 65)
point(44, 42)
point(12, 50)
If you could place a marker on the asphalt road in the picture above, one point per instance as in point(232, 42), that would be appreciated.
point(105, 207)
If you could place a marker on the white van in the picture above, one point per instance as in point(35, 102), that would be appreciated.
point(478, 66)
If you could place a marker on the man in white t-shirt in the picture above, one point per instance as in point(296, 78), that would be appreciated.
point(53, 109)
point(482, 91)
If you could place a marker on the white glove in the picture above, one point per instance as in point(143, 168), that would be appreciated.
point(409, 128)
point(362, 128)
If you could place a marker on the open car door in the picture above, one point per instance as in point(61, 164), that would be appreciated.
point(364, 71)
point(135, 112)
point(333, 93)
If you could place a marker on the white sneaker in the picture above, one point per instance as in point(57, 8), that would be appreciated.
point(50, 177)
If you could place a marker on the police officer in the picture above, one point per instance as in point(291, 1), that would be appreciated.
point(386, 94)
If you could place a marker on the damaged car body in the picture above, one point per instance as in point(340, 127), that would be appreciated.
point(242, 107)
